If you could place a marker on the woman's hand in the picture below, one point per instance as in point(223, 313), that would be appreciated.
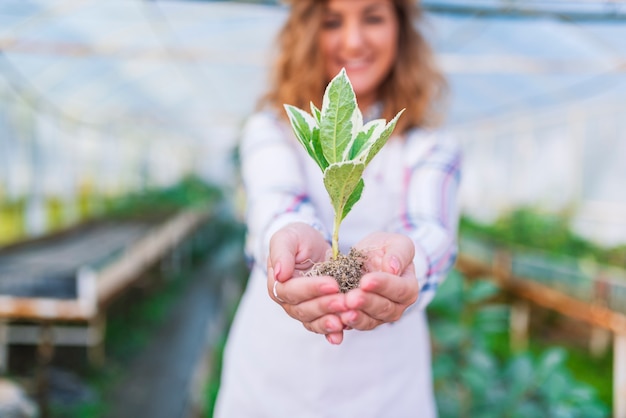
point(391, 286)
point(314, 301)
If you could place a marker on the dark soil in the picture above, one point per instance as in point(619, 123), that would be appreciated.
point(346, 269)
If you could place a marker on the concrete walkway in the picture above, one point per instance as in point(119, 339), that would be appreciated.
point(165, 381)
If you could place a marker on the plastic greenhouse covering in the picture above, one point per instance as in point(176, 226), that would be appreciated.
point(119, 94)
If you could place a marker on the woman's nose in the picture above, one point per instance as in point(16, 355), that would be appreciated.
point(353, 36)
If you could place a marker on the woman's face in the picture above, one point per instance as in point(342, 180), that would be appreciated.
point(362, 37)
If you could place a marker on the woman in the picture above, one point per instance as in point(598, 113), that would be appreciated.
point(378, 361)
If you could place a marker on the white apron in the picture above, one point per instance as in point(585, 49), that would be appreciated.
point(285, 371)
point(275, 368)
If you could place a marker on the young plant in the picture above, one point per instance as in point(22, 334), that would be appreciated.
point(340, 144)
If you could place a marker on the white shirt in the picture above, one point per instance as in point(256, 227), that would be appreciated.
point(273, 367)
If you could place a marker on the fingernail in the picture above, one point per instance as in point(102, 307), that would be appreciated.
point(276, 270)
point(336, 306)
point(351, 318)
point(329, 288)
point(333, 339)
point(394, 263)
point(354, 301)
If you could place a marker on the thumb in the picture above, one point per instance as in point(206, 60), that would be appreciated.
point(388, 252)
point(399, 252)
point(282, 257)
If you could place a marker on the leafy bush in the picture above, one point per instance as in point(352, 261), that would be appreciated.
point(472, 380)
point(551, 233)
point(189, 192)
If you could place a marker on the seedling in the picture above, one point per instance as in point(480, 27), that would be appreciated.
point(340, 144)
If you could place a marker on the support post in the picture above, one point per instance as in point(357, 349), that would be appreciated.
point(4, 346)
point(619, 376)
point(520, 319)
point(95, 341)
point(45, 352)
point(599, 341)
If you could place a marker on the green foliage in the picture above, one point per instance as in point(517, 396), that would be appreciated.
point(189, 192)
point(340, 144)
point(550, 233)
point(155, 202)
point(12, 222)
point(86, 410)
point(471, 380)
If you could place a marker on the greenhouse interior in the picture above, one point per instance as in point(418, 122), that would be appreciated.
point(122, 211)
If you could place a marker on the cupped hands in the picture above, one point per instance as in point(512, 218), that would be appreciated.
point(384, 293)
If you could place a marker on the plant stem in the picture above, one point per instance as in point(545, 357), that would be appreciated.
point(335, 240)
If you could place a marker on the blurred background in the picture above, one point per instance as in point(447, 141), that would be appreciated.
point(124, 115)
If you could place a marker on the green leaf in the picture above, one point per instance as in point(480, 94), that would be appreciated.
point(307, 132)
point(491, 319)
point(316, 113)
point(520, 374)
point(358, 146)
point(302, 124)
point(550, 361)
point(317, 149)
point(354, 197)
point(480, 291)
point(339, 143)
point(341, 119)
point(445, 366)
point(341, 180)
point(528, 409)
point(382, 139)
point(450, 335)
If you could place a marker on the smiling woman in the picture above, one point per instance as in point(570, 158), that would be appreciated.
point(298, 346)
point(362, 39)
point(312, 35)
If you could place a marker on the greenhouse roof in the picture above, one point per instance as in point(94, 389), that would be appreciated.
point(169, 62)
point(143, 92)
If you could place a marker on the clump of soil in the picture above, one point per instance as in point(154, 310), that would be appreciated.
point(346, 269)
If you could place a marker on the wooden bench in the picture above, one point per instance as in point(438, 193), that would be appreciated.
point(76, 315)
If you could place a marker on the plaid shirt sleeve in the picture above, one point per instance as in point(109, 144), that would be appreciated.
point(274, 184)
point(429, 213)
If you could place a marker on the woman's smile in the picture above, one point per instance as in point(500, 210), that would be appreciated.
point(360, 36)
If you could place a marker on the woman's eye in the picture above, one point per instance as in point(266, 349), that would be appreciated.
point(374, 19)
point(331, 23)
